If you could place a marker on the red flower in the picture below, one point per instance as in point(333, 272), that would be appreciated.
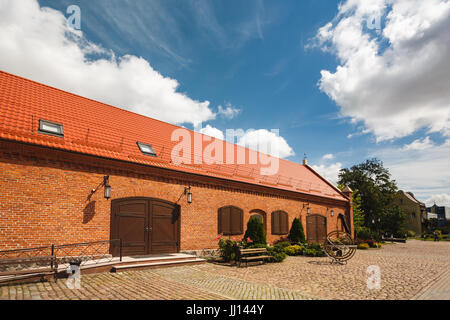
point(249, 240)
point(219, 237)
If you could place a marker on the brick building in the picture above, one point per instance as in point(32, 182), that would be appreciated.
point(414, 210)
point(76, 170)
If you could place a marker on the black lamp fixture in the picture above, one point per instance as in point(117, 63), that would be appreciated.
point(308, 210)
point(107, 191)
point(187, 191)
point(107, 187)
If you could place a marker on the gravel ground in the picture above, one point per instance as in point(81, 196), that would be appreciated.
point(416, 270)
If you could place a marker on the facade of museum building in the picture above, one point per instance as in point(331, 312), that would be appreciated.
point(75, 170)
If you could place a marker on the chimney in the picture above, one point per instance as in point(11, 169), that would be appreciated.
point(305, 160)
point(348, 192)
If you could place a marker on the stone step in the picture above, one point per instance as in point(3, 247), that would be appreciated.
point(152, 265)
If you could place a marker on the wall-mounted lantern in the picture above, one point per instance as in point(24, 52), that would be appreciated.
point(188, 193)
point(308, 210)
point(107, 187)
point(332, 213)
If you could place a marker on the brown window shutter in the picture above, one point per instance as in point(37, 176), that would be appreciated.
point(224, 221)
point(284, 222)
point(241, 220)
point(231, 221)
point(237, 221)
point(280, 223)
point(276, 223)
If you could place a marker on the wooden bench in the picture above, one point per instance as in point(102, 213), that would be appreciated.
point(401, 240)
point(45, 265)
point(246, 255)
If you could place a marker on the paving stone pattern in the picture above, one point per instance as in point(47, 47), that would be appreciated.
point(415, 270)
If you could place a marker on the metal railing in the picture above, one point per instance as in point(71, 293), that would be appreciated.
point(87, 253)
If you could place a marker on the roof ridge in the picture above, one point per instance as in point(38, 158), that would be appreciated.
point(125, 126)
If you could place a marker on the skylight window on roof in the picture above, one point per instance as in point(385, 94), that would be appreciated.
point(146, 149)
point(52, 128)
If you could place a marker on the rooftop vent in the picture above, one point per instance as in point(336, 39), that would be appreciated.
point(146, 149)
point(51, 128)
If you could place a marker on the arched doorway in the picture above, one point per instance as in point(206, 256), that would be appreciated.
point(316, 228)
point(146, 226)
point(261, 215)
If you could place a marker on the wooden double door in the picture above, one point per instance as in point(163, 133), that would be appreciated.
point(146, 226)
point(316, 228)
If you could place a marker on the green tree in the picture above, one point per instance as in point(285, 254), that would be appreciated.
point(255, 231)
point(297, 234)
point(372, 182)
point(358, 215)
point(392, 221)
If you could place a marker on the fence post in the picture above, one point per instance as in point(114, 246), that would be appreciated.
point(120, 249)
point(52, 254)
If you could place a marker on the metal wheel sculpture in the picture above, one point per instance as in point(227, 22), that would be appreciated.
point(340, 247)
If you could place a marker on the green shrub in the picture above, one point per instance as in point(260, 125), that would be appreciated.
point(446, 230)
point(275, 255)
point(278, 257)
point(364, 233)
point(295, 250)
point(363, 246)
point(255, 231)
point(227, 249)
point(314, 252)
point(280, 246)
point(411, 234)
point(297, 234)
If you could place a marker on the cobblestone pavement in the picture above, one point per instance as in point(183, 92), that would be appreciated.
point(137, 285)
point(437, 291)
point(415, 270)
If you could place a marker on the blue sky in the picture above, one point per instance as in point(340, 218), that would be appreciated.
point(263, 70)
point(265, 59)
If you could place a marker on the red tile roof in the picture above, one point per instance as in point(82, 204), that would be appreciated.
point(97, 129)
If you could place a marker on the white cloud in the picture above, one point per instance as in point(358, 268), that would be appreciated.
point(229, 112)
point(394, 81)
point(425, 173)
point(438, 199)
point(328, 156)
point(266, 142)
point(36, 43)
point(212, 132)
point(419, 144)
point(329, 172)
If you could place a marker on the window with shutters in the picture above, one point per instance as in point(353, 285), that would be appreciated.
point(280, 223)
point(231, 221)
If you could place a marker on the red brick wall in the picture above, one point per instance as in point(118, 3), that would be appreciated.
point(44, 199)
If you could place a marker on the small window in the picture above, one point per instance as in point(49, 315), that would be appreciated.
point(52, 128)
point(231, 221)
point(146, 149)
point(280, 223)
